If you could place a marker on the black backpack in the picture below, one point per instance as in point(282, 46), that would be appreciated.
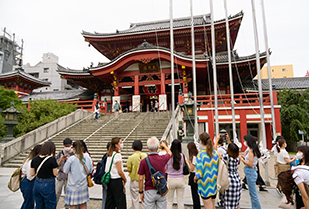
point(158, 179)
point(100, 171)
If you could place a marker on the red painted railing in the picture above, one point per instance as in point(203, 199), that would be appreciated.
point(240, 100)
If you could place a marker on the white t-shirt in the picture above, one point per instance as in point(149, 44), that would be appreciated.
point(301, 174)
point(222, 149)
point(26, 170)
point(162, 152)
point(114, 171)
point(274, 149)
point(193, 163)
point(281, 155)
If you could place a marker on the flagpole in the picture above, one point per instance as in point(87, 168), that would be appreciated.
point(172, 70)
point(230, 70)
point(214, 67)
point(194, 74)
point(258, 69)
point(269, 74)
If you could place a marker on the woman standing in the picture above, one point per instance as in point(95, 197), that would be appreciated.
point(78, 166)
point(174, 169)
point(233, 193)
point(283, 158)
point(191, 164)
point(26, 185)
point(250, 161)
point(44, 184)
point(115, 188)
point(206, 171)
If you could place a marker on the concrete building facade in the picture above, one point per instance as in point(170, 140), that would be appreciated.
point(47, 71)
point(278, 71)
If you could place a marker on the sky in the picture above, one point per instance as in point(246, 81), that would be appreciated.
point(56, 26)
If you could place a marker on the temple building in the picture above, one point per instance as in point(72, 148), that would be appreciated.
point(139, 71)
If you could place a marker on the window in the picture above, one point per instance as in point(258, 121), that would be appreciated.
point(284, 76)
point(45, 79)
point(55, 89)
point(46, 70)
point(36, 75)
point(272, 70)
point(283, 69)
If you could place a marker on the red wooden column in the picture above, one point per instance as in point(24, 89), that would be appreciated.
point(136, 86)
point(162, 83)
point(243, 128)
point(211, 122)
point(116, 91)
point(268, 136)
point(277, 114)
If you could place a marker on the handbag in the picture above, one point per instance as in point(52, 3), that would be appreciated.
point(15, 180)
point(283, 203)
point(223, 181)
point(185, 166)
point(89, 181)
point(107, 176)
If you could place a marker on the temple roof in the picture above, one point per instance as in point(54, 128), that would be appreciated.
point(278, 83)
point(66, 95)
point(198, 20)
point(22, 74)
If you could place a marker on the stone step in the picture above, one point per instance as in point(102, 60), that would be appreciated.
point(154, 125)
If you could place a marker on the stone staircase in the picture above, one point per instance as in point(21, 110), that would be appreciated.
point(154, 124)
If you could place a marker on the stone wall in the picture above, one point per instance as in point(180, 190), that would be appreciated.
point(39, 135)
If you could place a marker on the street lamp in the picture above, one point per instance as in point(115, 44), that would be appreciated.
point(10, 120)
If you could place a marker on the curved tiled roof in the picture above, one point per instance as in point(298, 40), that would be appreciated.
point(199, 20)
point(66, 95)
point(279, 83)
point(220, 57)
point(25, 75)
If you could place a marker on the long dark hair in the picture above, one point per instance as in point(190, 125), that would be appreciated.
point(113, 147)
point(79, 149)
point(287, 184)
point(251, 142)
point(233, 150)
point(84, 147)
point(192, 150)
point(280, 143)
point(205, 138)
point(176, 153)
point(34, 152)
point(305, 151)
point(48, 148)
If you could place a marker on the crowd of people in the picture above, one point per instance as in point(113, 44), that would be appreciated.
point(47, 174)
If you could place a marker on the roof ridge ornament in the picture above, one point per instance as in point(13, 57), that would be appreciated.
point(145, 45)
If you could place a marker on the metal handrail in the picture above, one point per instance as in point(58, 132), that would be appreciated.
point(168, 128)
point(113, 118)
point(99, 129)
point(139, 124)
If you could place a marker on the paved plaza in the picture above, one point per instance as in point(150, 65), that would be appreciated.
point(270, 199)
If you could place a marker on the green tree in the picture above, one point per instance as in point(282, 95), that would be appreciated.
point(294, 113)
point(41, 112)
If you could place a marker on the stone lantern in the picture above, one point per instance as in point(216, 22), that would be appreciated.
point(188, 109)
point(10, 120)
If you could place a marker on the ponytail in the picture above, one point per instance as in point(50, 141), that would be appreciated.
point(280, 143)
point(205, 139)
point(79, 149)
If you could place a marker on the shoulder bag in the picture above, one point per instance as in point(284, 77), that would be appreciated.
point(185, 166)
point(89, 181)
point(107, 176)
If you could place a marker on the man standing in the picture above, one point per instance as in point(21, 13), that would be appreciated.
point(132, 166)
point(116, 108)
point(151, 198)
point(62, 178)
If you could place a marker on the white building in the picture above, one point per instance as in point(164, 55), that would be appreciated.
point(47, 70)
